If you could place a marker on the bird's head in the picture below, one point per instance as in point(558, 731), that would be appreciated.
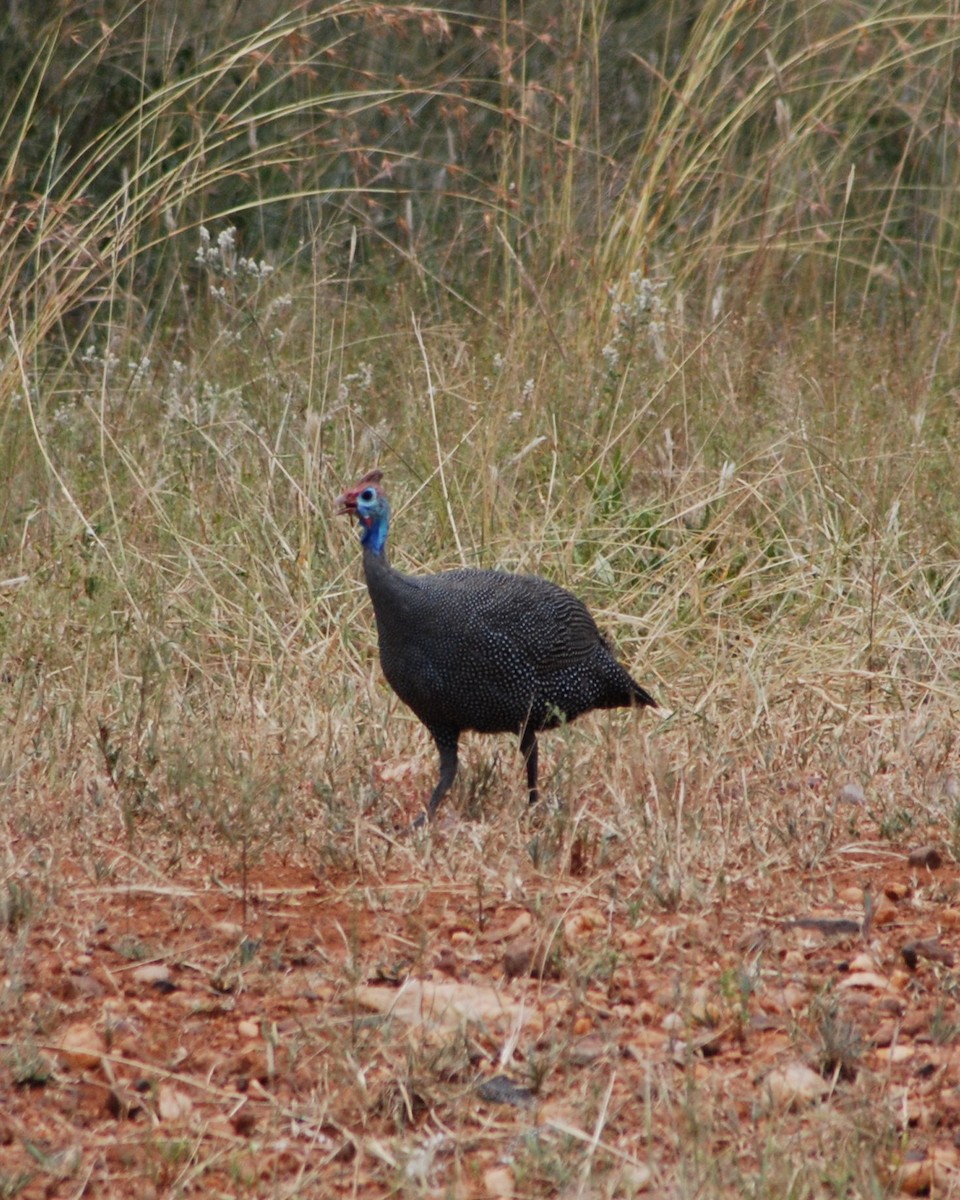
point(367, 501)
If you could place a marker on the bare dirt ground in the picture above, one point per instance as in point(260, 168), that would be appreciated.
point(336, 1035)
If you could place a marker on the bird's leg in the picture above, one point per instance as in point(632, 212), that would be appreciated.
point(446, 740)
point(528, 748)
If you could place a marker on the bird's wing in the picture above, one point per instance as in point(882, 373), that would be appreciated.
point(550, 628)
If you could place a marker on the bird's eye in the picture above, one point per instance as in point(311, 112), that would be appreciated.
point(367, 495)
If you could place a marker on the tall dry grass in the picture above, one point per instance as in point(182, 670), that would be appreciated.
point(662, 310)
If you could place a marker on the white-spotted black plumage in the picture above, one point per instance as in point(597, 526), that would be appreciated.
point(483, 650)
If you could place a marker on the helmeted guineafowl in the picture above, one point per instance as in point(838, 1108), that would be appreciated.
point(483, 650)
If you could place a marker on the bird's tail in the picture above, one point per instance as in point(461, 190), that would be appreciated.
point(641, 697)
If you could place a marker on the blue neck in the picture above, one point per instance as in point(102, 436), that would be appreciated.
point(374, 536)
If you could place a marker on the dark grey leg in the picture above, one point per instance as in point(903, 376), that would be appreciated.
point(447, 740)
point(528, 748)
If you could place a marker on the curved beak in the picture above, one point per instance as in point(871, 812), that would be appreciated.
point(347, 503)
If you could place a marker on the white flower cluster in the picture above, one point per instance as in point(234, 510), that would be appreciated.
point(647, 298)
point(362, 377)
point(92, 357)
point(526, 395)
point(644, 307)
point(221, 259)
point(139, 369)
point(109, 365)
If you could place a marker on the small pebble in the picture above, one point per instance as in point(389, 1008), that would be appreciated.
point(929, 948)
point(926, 856)
point(585, 1051)
point(950, 786)
point(152, 973)
point(518, 958)
point(500, 1089)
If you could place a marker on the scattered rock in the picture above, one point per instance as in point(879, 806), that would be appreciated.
point(251, 1063)
point(244, 1121)
point(646, 1043)
point(884, 913)
point(500, 1089)
point(518, 958)
point(506, 933)
point(914, 1024)
point(828, 926)
point(692, 1005)
point(394, 772)
point(678, 1050)
point(932, 1173)
point(586, 1050)
point(229, 928)
point(795, 1086)
point(899, 979)
point(636, 1177)
point(172, 1104)
point(865, 979)
point(584, 925)
point(884, 1033)
point(527, 957)
point(930, 948)
point(122, 1103)
point(851, 793)
point(754, 941)
point(442, 1005)
point(636, 943)
point(498, 1182)
point(709, 1045)
point(81, 986)
point(793, 997)
point(447, 962)
point(761, 1022)
point(862, 962)
point(926, 856)
point(896, 1054)
point(703, 1009)
point(915, 1178)
point(950, 787)
point(151, 973)
point(81, 1046)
